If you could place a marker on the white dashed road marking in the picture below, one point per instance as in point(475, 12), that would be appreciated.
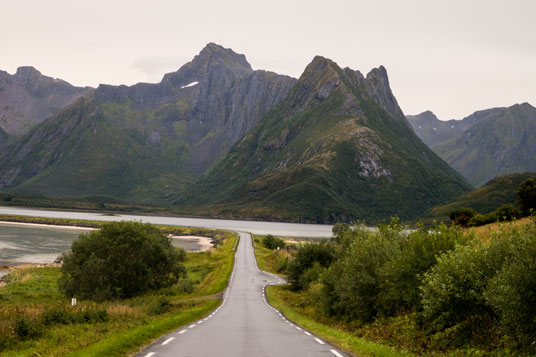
point(168, 341)
point(183, 331)
point(149, 354)
point(319, 341)
point(336, 353)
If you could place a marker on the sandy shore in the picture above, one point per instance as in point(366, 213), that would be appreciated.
point(204, 242)
point(42, 225)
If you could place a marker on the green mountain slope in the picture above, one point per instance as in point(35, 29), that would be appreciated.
point(485, 145)
point(337, 148)
point(497, 192)
point(146, 141)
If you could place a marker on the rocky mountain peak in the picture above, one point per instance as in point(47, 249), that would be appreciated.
point(427, 116)
point(215, 55)
point(27, 72)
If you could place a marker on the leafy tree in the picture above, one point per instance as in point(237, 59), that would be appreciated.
point(526, 196)
point(121, 260)
point(506, 213)
point(462, 216)
point(272, 242)
point(309, 256)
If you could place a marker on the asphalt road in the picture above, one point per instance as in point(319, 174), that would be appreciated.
point(244, 325)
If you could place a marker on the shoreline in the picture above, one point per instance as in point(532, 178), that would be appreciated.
point(204, 242)
point(44, 225)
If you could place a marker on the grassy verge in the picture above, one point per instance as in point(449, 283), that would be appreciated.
point(282, 298)
point(267, 259)
point(35, 319)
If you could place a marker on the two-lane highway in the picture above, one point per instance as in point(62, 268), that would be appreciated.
point(244, 325)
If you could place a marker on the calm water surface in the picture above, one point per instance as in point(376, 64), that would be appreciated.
point(255, 227)
point(23, 245)
point(42, 245)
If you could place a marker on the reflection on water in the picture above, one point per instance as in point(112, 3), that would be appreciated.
point(23, 244)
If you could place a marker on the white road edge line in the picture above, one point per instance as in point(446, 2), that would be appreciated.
point(319, 341)
point(307, 333)
point(149, 354)
point(191, 326)
point(168, 341)
point(183, 331)
point(336, 353)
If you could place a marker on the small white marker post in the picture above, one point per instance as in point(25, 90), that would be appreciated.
point(73, 301)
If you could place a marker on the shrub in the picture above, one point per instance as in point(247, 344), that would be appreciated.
point(121, 260)
point(90, 316)
point(27, 328)
point(512, 293)
point(462, 216)
point(352, 282)
point(482, 219)
point(57, 315)
point(453, 290)
point(402, 273)
point(322, 254)
point(272, 242)
point(506, 213)
point(159, 306)
point(186, 285)
point(526, 196)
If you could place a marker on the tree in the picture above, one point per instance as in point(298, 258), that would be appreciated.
point(121, 260)
point(526, 196)
point(462, 216)
point(272, 242)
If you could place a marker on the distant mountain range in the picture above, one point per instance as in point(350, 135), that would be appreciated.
point(484, 145)
point(218, 138)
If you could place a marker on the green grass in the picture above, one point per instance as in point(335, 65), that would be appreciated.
point(130, 324)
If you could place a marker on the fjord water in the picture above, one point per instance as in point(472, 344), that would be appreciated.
point(21, 244)
point(255, 227)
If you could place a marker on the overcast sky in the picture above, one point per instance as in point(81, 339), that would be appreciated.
point(451, 57)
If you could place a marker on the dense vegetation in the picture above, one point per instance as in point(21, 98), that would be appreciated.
point(526, 199)
point(496, 193)
point(37, 319)
point(428, 291)
point(121, 260)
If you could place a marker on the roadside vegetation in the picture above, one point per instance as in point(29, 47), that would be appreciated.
point(440, 291)
point(526, 201)
point(36, 316)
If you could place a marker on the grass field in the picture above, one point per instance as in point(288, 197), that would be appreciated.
point(36, 320)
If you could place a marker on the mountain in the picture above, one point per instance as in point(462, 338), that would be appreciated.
point(28, 97)
point(497, 192)
point(484, 145)
point(336, 148)
point(147, 140)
